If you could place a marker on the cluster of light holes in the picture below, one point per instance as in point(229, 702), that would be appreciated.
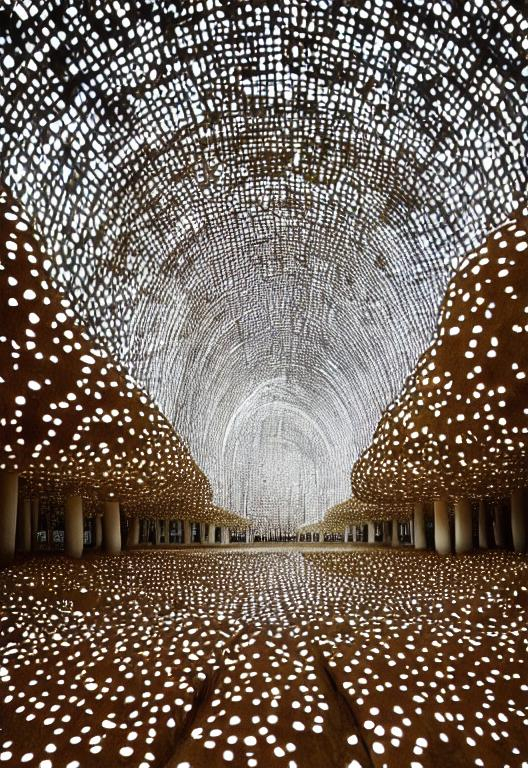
point(188, 165)
point(258, 652)
point(460, 427)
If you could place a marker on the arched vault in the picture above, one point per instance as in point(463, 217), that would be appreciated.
point(255, 206)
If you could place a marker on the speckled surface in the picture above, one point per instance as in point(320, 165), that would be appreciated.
point(287, 657)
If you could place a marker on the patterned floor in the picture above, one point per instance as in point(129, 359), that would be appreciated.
point(284, 657)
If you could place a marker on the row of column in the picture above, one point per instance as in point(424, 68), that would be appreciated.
point(464, 524)
point(107, 526)
point(388, 534)
point(187, 533)
point(350, 534)
point(107, 529)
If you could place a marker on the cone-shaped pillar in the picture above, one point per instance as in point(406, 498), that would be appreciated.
point(482, 525)
point(420, 541)
point(8, 514)
point(35, 519)
point(25, 526)
point(73, 527)
point(133, 532)
point(395, 540)
point(463, 526)
point(518, 520)
point(112, 527)
point(441, 523)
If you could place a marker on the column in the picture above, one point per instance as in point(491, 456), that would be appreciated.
point(463, 526)
point(133, 532)
point(98, 534)
point(419, 526)
point(146, 531)
point(157, 532)
point(25, 526)
point(8, 514)
point(411, 531)
point(395, 539)
point(202, 533)
point(498, 526)
point(73, 527)
point(187, 531)
point(371, 534)
point(441, 521)
point(518, 520)
point(482, 525)
point(225, 535)
point(35, 518)
point(112, 527)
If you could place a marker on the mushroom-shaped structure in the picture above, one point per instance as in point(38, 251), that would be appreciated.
point(353, 511)
point(73, 423)
point(460, 427)
point(225, 518)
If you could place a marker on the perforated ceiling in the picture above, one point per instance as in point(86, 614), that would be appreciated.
point(256, 205)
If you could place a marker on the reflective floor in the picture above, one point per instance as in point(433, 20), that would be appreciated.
point(287, 657)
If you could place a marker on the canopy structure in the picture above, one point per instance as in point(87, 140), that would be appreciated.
point(459, 429)
point(353, 511)
point(254, 207)
point(72, 421)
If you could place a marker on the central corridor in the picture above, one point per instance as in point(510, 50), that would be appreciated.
point(264, 657)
